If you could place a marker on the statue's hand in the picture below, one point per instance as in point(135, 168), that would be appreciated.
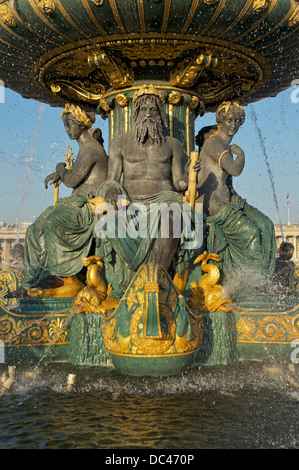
point(197, 165)
point(53, 177)
point(111, 197)
point(237, 150)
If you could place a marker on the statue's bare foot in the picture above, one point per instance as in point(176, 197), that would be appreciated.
point(19, 293)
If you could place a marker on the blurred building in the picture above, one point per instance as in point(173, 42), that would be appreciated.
point(12, 238)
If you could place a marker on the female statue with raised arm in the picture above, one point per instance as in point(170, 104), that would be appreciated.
point(239, 233)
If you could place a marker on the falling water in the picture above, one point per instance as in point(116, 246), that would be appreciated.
point(30, 162)
point(254, 118)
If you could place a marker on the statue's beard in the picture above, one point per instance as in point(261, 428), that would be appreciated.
point(149, 129)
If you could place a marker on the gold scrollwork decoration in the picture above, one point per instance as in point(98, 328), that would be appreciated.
point(31, 332)
point(97, 2)
point(116, 71)
point(6, 16)
point(46, 6)
point(267, 329)
point(82, 91)
point(260, 5)
point(188, 70)
point(210, 2)
point(63, 79)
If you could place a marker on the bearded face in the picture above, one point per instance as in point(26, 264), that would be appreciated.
point(150, 121)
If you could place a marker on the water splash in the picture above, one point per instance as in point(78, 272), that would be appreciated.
point(29, 166)
point(254, 118)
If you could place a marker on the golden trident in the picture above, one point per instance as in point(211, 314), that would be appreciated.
point(68, 157)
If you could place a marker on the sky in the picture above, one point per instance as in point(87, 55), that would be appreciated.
point(33, 141)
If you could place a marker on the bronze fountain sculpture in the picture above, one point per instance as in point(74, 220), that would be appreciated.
point(100, 256)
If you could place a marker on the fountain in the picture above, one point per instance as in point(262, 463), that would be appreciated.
point(188, 57)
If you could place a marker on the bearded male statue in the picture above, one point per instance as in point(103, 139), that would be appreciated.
point(147, 167)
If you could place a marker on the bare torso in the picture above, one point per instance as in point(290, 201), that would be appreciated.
point(212, 189)
point(214, 178)
point(149, 169)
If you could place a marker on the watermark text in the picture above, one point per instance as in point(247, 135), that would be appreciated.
point(154, 220)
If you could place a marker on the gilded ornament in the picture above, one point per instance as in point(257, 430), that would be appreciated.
point(174, 97)
point(10, 279)
point(207, 295)
point(46, 6)
point(63, 79)
point(116, 71)
point(155, 282)
point(97, 2)
point(103, 104)
point(122, 100)
point(58, 330)
point(6, 16)
point(78, 113)
point(31, 332)
point(210, 2)
point(148, 90)
point(188, 70)
point(95, 297)
point(55, 88)
point(267, 328)
point(194, 102)
point(260, 5)
point(82, 73)
point(294, 18)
